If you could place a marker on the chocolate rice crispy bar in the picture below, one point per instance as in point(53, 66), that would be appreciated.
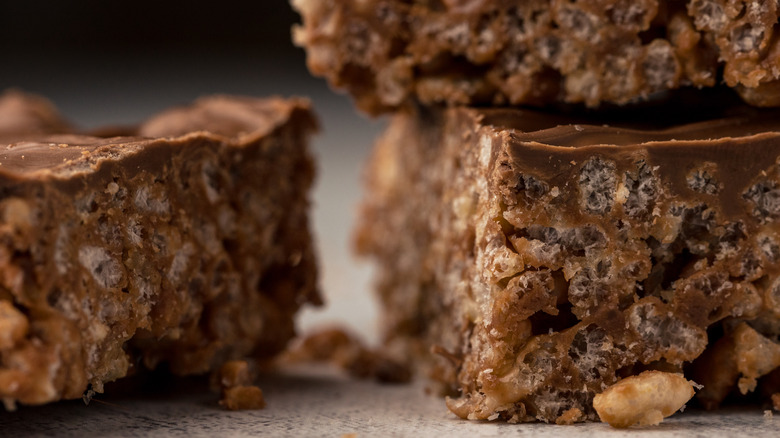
point(186, 244)
point(498, 52)
point(531, 260)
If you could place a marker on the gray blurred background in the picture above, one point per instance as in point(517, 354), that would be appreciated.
point(105, 62)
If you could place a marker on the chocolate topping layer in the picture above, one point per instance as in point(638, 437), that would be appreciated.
point(223, 115)
point(742, 144)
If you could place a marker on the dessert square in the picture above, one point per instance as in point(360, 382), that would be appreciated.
point(531, 260)
point(187, 244)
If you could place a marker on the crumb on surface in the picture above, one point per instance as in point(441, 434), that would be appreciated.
point(242, 398)
point(644, 400)
point(87, 396)
point(339, 347)
point(234, 380)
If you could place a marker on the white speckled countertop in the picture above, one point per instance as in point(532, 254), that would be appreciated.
point(321, 402)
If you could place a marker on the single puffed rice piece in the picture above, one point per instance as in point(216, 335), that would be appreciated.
point(645, 399)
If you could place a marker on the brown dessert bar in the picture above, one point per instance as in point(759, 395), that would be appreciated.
point(25, 114)
point(190, 248)
point(385, 52)
point(544, 259)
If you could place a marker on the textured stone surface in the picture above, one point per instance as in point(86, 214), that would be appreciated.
point(317, 403)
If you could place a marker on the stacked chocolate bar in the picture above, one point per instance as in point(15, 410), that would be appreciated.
point(498, 52)
point(185, 244)
point(534, 260)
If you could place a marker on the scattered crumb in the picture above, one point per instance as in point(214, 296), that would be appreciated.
point(234, 380)
point(768, 413)
point(337, 346)
point(330, 344)
point(242, 398)
point(569, 417)
point(644, 400)
point(87, 396)
point(9, 404)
